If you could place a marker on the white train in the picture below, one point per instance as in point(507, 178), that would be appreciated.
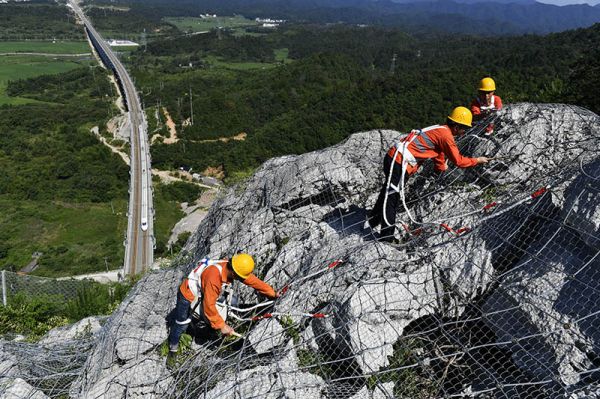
point(144, 177)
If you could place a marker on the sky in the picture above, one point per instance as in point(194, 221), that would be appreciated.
point(565, 2)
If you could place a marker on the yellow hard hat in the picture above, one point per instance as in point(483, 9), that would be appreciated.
point(462, 116)
point(243, 265)
point(487, 84)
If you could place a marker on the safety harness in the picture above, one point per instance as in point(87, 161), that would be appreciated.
point(487, 107)
point(194, 280)
point(407, 159)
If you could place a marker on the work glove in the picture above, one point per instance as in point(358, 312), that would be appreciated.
point(226, 330)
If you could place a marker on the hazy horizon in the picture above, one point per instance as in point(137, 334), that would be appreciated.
point(568, 2)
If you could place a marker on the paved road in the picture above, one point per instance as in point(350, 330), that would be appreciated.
point(139, 253)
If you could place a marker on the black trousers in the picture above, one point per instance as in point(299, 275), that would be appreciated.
point(386, 207)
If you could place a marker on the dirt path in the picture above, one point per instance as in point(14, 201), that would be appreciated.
point(194, 215)
point(172, 139)
point(116, 150)
point(238, 137)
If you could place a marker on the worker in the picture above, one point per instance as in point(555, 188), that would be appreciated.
point(486, 102)
point(405, 158)
point(205, 283)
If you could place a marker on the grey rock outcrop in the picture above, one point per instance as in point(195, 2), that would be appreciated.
point(125, 356)
point(9, 364)
point(18, 388)
point(84, 328)
point(494, 267)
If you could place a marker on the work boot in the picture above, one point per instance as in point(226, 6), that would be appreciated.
point(369, 227)
point(171, 360)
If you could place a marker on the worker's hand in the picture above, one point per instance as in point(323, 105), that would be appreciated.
point(227, 330)
point(482, 160)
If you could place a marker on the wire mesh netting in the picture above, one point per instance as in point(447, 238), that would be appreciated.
point(492, 291)
point(65, 288)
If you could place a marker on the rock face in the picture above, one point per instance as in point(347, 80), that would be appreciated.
point(19, 389)
point(84, 328)
point(125, 359)
point(494, 292)
point(34, 370)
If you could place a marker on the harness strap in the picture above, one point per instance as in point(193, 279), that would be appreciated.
point(407, 157)
point(487, 107)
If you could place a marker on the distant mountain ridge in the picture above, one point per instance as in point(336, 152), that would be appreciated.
point(465, 16)
point(523, 2)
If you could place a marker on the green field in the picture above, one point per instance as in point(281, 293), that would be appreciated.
point(192, 24)
point(58, 47)
point(124, 49)
point(282, 54)
point(66, 234)
point(26, 66)
point(216, 62)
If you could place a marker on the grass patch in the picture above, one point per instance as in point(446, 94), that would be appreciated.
point(314, 363)
point(216, 62)
point(238, 176)
point(291, 329)
point(196, 24)
point(74, 238)
point(168, 213)
point(23, 67)
point(124, 49)
point(243, 32)
point(34, 313)
point(59, 47)
point(281, 55)
point(411, 379)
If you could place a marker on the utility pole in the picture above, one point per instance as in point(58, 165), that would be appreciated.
point(158, 113)
point(4, 302)
point(191, 107)
point(393, 65)
point(179, 108)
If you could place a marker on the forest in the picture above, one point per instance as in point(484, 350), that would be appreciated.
point(340, 80)
point(37, 19)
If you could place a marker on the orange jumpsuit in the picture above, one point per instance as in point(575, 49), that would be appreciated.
point(212, 280)
point(477, 107)
point(434, 142)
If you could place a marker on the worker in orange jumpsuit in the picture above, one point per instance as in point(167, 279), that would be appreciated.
point(205, 283)
point(405, 158)
point(486, 102)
